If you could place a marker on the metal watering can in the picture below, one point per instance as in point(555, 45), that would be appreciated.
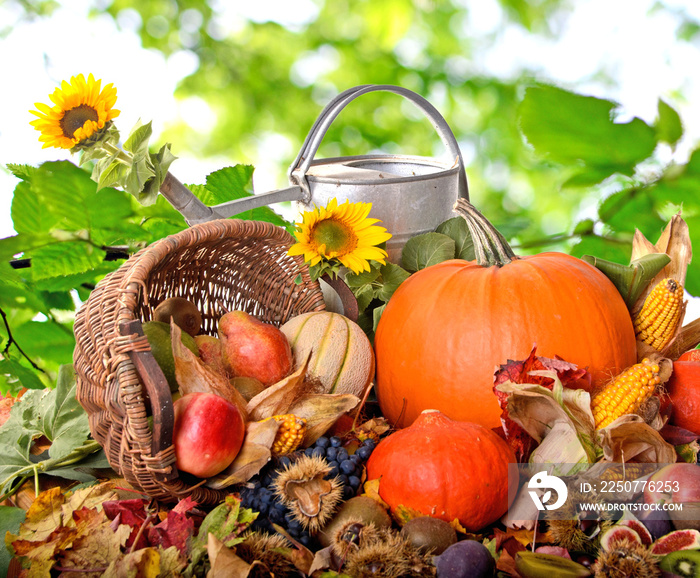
point(409, 194)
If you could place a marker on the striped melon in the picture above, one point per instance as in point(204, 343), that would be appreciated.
point(342, 357)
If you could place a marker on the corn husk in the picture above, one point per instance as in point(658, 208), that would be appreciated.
point(629, 438)
point(560, 421)
point(674, 242)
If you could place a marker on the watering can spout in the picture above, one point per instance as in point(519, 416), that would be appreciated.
point(195, 211)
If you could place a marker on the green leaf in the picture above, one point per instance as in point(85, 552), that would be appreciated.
point(10, 520)
point(632, 279)
point(66, 258)
point(137, 141)
point(23, 172)
point(425, 250)
point(62, 419)
point(29, 213)
point(229, 183)
point(584, 226)
point(631, 209)
point(457, 230)
point(363, 278)
point(376, 316)
point(46, 340)
point(392, 277)
point(669, 128)
point(572, 129)
point(232, 183)
point(364, 294)
point(26, 377)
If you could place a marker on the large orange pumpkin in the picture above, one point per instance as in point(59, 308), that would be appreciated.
point(445, 469)
point(447, 327)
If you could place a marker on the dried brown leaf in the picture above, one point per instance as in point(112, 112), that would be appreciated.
point(195, 377)
point(254, 454)
point(224, 562)
point(276, 399)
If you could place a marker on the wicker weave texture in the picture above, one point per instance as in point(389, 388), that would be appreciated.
point(220, 266)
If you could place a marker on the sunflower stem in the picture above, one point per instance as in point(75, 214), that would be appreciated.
point(121, 155)
point(490, 246)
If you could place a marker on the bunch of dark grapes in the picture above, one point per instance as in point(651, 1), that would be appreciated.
point(347, 467)
point(258, 495)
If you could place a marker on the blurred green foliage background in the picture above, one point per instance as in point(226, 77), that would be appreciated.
point(552, 169)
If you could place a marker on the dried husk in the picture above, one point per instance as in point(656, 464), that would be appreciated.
point(321, 411)
point(674, 242)
point(560, 421)
point(277, 399)
point(193, 376)
point(252, 457)
point(630, 438)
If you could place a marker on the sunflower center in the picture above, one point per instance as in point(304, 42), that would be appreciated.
point(335, 235)
point(75, 118)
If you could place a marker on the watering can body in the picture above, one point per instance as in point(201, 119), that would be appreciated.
point(409, 194)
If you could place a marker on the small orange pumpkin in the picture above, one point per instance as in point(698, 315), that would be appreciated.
point(445, 469)
point(449, 326)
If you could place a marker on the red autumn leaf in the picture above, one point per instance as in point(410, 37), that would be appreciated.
point(175, 530)
point(185, 505)
point(520, 372)
point(131, 513)
point(677, 436)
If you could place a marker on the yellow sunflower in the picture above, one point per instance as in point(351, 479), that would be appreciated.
point(80, 110)
point(341, 232)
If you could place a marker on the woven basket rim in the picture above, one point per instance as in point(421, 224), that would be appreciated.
point(111, 347)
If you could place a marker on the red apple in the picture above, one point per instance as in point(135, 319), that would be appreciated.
point(208, 433)
point(678, 483)
point(253, 348)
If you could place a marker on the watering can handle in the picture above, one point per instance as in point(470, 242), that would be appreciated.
point(297, 171)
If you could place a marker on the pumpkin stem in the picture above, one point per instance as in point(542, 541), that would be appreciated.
point(490, 246)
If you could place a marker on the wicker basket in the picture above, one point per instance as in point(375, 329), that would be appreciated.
point(220, 266)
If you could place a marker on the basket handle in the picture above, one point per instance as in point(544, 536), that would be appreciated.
point(298, 169)
point(158, 391)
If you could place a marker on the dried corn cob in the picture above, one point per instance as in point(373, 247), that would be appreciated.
point(656, 322)
point(289, 435)
point(625, 393)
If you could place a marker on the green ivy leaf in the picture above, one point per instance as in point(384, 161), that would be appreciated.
point(425, 250)
point(457, 230)
point(631, 279)
point(572, 129)
point(669, 128)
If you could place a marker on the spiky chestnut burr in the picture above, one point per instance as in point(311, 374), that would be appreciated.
point(302, 487)
point(627, 558)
